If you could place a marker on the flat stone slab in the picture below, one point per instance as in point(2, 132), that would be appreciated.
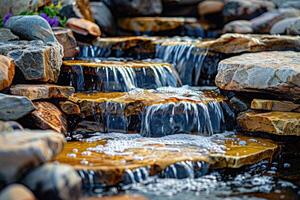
point(42, 91)
point(158, 112)
point(109, 157)
point(278, 123)
point(267, 72)
point(118, 76)
point(275, 105)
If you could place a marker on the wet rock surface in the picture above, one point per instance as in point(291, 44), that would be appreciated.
point(42, 91)
point(28, 149)
point(35, 60)
point(14, 107)
point(278, 123)
point(274, 72)
point(48, 116)
point(96, 157)
point(52, 181)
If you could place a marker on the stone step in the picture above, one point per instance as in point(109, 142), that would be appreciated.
point(277, 123)
point(158, 112)
point(161, 26)
point(117, 76)
point(275, 105)
point(111, 159)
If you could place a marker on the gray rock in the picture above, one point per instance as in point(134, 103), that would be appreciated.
point(103, 17)
point(294, 29)
point(6, 35)
point(137, 7)
point(36, 60)
point(282, 26)
point(31, 27)
point(10, 126)
point(238, 26)
point(24, 150)
point(14, 107)
point(51, 181)
point(264, 23)
point(18, 6)
point(16, 192)
point(271, 72)
point(287, 3)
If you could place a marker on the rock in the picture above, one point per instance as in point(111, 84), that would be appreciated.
point(9, 126)
point(28, 149)
point(16, 192)
point(31, 28)
point(116, 155)
point(245, 10)
point(294, 29)
point(274, 105)
point(238, 26)
point(166, 26)
point(209, 7)
point(69, 108)
point(6, 35)
point(48, 116)
point(14, 107)
point(77, 9)
point(49, 91)
point(283, 26)
point(271, 72)
point(265, 22)
point(240, 43)
point(18, 6)
point(103, 17)
point(238, 104)
point(66, 38)
point(34, 60)
point(287, 3)
point(83, 30)
point(278, 123)
point(88, 126)
point(137, 7)
point(52, 181)
point(7, 72)
point(119, 197)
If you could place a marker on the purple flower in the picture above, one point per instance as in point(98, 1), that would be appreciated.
point(52, 21)
point(6, 17)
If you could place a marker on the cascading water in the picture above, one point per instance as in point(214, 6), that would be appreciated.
point(118, 76)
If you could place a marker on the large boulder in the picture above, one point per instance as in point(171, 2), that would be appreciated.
point(66, 38)
point(35, 60)
point(7, 71)
point(14, 107)
point(53, 181)
point(16, 192)
point(40, 91)
point(278, 123)
point(6, 35)
point(48, 116)
point(137, 7)
point(21, 151)
point(31, 27)
point(265, 72)
point(245, 10)
point(103, 17)
point(265, 22)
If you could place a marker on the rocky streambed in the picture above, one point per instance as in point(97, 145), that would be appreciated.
point(146, 112)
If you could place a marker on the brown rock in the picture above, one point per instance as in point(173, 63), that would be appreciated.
point(111, 162)
point(85, 10)
point(48, 116)
point(69, 108)
point(118, 197)
point(278, 123)
point(272, 72)
point(47, 91)
point(21, 151)
point(210, 7)
point(66, 38)
point(83, 28)
point(16, 192)
point(274, 105)
point(7, 71)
